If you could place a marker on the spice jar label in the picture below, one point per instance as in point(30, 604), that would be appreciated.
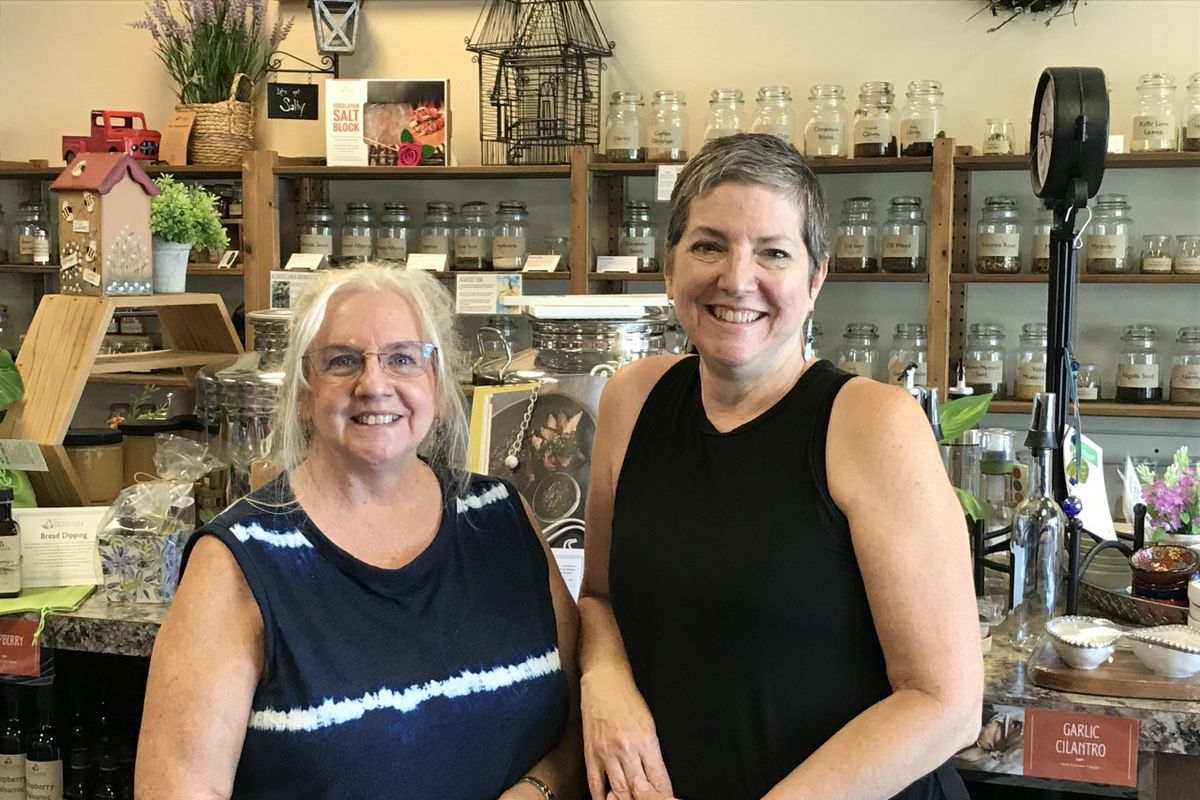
point(470, 247)
point(640, 246)
point(1088, 392)
point(437, 245)
point(356, 246)
point(1137, 376)
point(316, 243)
point(41, 251)
point(1187, 264)
point(508, 251)
point(1001, 245)
point(824, 139)
point(1041, 247)
point(852, 246)
point(622, 137)
point(25, 245)
point(1032, 373)
point(1192, 131)
point(856, 368)
point(916, 130)
point(1185, 376)
point(901, 245)
point(873, 131)
point(997, 146)
point(1106, 246)
point(1156, 263)
point(392, 248)
point(667, 136)
point(976, 372)
point(1154, 133)
point(896, 372)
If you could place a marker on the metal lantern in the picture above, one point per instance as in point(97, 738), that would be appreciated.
point(335, 23)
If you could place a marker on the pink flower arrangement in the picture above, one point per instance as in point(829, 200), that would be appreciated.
point(1172, 500)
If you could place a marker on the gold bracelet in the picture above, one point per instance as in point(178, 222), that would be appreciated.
point(540, 785)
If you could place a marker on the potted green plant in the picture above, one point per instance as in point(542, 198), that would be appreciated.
point(181, 217)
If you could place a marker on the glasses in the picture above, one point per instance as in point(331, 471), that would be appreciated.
point(402, 360)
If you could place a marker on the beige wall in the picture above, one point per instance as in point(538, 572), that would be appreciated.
point(694, 45)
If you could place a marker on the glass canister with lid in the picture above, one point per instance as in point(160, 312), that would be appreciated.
point(983, 360)
point(1110, 236)
point(623, 130)
point(908, 347)
point(472, 237)
point(828, 122)
point(1155, 127)
point(668, 127)
point(31, 237)
point(904, 236)
point(392, 244)
point(1138, 379)
point(998, 237)
point(725, 107)
point(637, 237)
point(437, 229)
point(856, 249)
point(874, 136)
point(1031, 361)
point(1185, 367)
point(1190, 138)
point(1156, 253)
point(922, 119)
point(998, 138)
point(316, 232)
point(358, 233)
point(859, 353)
point(774, 113)
point(510, 236)
point(1087, 382)
point(1187, 254)
point(1039, 262)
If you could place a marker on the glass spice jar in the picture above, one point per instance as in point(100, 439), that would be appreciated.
point(392, 244)
point(472, 237)
point(1039, 262)
point(998, 236)
point(1137, 366)
point(1108, 241)
point(859, 354)
point(922, 119)
point(510, 236)
point(828, 122)
point(358, 233)
point(908, 347)
point(316, 232)
point(1087, 382)
point(983, 360)
point(873, 133)
point(668, 127)
point(856, 249)
point(1185, 367)
point(724, 114)
point(1156, 253)
point(31, 238)
point(437, 228)
point(904, 236)
point(1190, 140)
point(623, 130)
point(1031, 361)
point(636, 237)
point(774, 114)
point(1187, 254)
point(999, 138)
point(1155, 128)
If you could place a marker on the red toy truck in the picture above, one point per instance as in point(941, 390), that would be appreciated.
point(114, 132)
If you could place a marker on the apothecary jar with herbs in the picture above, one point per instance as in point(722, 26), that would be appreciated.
point(774, 114)
point(874, 135)
point(856, 248)
point(636, 237)
point(31, 236)
point(725, 109)
point(472, 237)
point(1185, 367)
point(623, 130)
point(1189, 140)
point(392, 243)
point(1031, 361)
point(1155, 127)
point(923, 119)
point(983, 360)
point(1039, 261)
point(1138, 378)
point(1110, 236)
point(828, 124)
point(859, 353)
point(316, 231)
point(1187, 254)
point(998, 236)
point(437, 229)
point(510, 236)
point(908, 347)
point(904, 236)
point(668, 130)
point(358, 233)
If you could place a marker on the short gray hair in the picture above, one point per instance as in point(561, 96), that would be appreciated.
point(446, 443)
point(752, 159)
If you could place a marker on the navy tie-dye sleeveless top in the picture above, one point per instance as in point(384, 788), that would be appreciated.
point(440, 679)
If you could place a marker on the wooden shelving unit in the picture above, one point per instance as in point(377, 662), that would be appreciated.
point(1141, 278)
point(1107, 408)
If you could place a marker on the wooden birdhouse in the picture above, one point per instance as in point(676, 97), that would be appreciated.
point(104, 225)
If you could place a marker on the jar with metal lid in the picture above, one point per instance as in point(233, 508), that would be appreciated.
point(857, 249)
point(908, 347)
point(859, 353)
point(472, 237)
point(904, 236)
point(998, 237)
point(96, 455)
point(316, 232)
point(874, 136)
point(1190, 138)
point(983, 360)
point(1138, 379)
point(922, 119)
point(358, 233)
point(571, 346)
point(999, 138)
point(1156, 253)
point(637, 236)
point(828, 123)
point(1110, 236)
point(1031, 361)
point(1040, 253)
point(725, 108)
point(392, 244)
point(1155, 128)
point(668, 127)
point(623, 130)
point(31, 237)
point(1185, 367)
point(1087, 382)
point(437, 229)
point(510, 236)
point(1187, 254)
point(774, 114)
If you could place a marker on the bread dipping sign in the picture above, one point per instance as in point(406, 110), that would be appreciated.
point(1081, 747)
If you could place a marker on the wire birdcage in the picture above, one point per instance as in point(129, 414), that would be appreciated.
point(539, 79)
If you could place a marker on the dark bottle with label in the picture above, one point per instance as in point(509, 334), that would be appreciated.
point(10, 548)
point(79, 777)
point(108, 780)
point(12, 749)
point(43, 764)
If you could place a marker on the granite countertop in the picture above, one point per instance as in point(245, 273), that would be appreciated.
point(98, 626)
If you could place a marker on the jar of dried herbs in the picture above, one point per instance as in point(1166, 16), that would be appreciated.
point(473, 237)
point(999, 138)
point(392, 243)
point(668, 127)
point(1187, 254)
point(983, 360)
point(623, 130)
point(1031, 361)
point(437, 228)
point(1109, 238)
point(1039, 262)
point(774, 114)
point(31, 237)
point(904, 236)
point(998, 236)
point(856, 249)
point(358, 233)
point(1137, 367)
point(923, 119)
point(1185, 367)
point(316, 232)
point(1155, 128)
point(859, 353)
point(874, 136)
point(725, 108)
point(510, 237)
point(1156, 253)
point(1087, 382)
point(1190, 141)
point(636, 237)
point(908, 347)
point(828, 122)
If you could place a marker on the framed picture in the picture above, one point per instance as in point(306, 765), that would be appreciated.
point(387, 122)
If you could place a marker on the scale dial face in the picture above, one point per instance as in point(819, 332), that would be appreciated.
point(1068, 133)
point(1045, 133)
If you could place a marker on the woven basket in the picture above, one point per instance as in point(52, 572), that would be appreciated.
point(223, 132)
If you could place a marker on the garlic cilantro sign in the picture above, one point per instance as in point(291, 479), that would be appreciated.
point(1081, 747)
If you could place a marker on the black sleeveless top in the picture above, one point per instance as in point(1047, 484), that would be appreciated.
point(737, 591)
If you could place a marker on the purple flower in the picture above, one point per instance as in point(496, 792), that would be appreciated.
point(202, 11)
point(235, 15)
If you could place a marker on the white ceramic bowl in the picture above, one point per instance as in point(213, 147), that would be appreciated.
point(1170, 650)
point(1083, 642)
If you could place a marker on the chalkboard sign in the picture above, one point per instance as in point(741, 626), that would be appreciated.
point(292, 101)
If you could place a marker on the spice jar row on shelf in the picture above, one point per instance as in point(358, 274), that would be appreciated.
point(859, 352)
point(829, 130)
point(862, 245)
point(1156, 127)
point(30, 239)
point(1137, 376)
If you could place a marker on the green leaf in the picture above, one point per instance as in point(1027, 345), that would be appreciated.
point(428, 151)
point(12, 389)
point(959, 415)
point(972, 506)
point(406, 136)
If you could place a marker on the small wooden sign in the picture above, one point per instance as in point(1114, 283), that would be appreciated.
point(174, 145)
point(1089, 748)
point(292, 101)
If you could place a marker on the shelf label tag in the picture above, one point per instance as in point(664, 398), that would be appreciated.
point(430, 262)
point(541, 263)
point(665, 181)
point(616, 263)
point(18, 653)
point(305, 261)
point(481, 294)
point(1088, 748)
point(23, 455)
point(227, 259)
point(286, 287)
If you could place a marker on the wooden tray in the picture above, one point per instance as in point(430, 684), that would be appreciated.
point(1121, 676)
